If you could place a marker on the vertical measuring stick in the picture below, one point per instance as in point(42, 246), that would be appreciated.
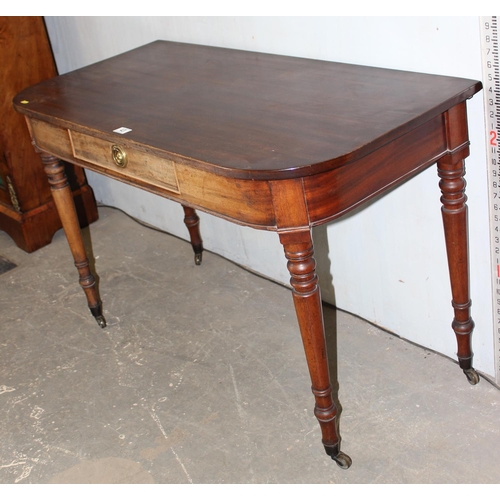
point(491, 93)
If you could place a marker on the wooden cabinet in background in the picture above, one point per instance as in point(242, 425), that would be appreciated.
point(27, 212)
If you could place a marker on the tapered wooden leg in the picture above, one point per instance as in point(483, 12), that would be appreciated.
point(192, 222)
point(299, 251)
point(454, 211)
point(63, 200)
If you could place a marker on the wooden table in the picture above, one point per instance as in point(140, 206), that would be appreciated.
point(276, 143)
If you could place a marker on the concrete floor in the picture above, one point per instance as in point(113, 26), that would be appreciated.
point(200, 377)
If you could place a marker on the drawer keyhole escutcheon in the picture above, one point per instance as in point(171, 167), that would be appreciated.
point(119, 156)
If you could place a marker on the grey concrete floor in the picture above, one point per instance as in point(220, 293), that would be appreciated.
point(200, 377)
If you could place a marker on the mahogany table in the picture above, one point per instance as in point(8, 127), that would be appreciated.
point(276, 143)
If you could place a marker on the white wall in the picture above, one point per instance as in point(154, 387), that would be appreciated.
point(386, 263)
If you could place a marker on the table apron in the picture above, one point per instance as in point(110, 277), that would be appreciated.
point(243, 201)
point(326, 196)
point(332, 194)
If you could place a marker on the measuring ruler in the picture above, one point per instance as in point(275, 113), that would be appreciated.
point(491, 95)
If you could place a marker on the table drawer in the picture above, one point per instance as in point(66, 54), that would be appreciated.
point(129, 162)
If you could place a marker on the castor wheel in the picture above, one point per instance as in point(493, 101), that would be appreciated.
point(472, 376)
point(101, 321)
point(343, 461)
point(197, 258)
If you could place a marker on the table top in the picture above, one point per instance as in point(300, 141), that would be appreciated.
point(246, 114)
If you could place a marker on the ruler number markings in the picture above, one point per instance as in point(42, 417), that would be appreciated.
point(491, 96)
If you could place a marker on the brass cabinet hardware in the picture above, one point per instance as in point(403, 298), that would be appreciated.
point(119, 156)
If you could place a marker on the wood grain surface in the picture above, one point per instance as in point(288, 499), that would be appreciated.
point(244, 114)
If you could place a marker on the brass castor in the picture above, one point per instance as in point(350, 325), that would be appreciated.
point(343, 461)
point(98, 316)
point(101, 321)
point(197, 258)
point(472, 376)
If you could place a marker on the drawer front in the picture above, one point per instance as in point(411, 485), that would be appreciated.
point(129, 162)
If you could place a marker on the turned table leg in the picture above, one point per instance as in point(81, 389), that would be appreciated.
point(299, 252)
point(451, 170)
point(192, 222)
point(454, 211)
point(63, 199)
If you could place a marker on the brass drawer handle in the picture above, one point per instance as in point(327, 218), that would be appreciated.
point(119, 156)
